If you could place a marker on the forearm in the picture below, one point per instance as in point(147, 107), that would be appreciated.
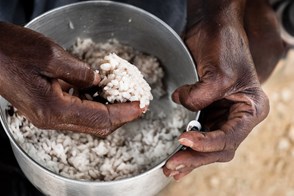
point(218, 10)
point(263, 32)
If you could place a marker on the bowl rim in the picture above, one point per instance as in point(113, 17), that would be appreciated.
point(97, 183)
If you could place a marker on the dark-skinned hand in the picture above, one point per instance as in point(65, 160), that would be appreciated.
point(31, 67)
point(229, 40)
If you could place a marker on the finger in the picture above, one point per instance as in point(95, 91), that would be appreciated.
point(183, 161)
point(71, 113)
point(247, 110)
point(205, 141)
point(98, 119)
point(121, 113)
point(197, 96)
point(176, 174)
point(228, 136)
point(68, 68)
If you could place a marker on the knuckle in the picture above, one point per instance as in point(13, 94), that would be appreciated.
point(260, 106)
point(227, 156)
point(222, 75)
point(263, 106)
point(209, 71)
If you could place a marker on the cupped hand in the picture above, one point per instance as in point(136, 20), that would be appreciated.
point(228, 92)
point(31, 67)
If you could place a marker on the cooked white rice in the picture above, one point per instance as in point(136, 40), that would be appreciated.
point(122, 82)
point(129, 151)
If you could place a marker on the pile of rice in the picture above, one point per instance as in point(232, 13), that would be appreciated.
point(129, 151)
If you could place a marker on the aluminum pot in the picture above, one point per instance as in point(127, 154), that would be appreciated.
point(102, 20)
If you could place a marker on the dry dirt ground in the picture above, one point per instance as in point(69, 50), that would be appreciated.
point(264, 162)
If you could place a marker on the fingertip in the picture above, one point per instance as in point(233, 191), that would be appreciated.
point(121, 113)
point(185, 96)
point(188, 135)
point(141, 110)
point(186, 142)
point(181, 93)
point(195, 96)
point(74, 71)
point(195, 140)
point(136, 105)
point(175, 96)
point(166, 171)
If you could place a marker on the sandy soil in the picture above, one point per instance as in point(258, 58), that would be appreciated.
point(264, 162)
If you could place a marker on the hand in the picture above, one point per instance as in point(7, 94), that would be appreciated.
point(31, 67)
point(229, 92)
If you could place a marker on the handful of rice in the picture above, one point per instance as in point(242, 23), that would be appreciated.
point(122, 82)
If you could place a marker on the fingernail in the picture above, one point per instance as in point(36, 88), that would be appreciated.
point(180, 167)
point(186, 142)
point(173, 173)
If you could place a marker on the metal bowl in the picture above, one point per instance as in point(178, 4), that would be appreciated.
point(102, 20)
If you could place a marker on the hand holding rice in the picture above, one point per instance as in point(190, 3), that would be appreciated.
point(49, 86)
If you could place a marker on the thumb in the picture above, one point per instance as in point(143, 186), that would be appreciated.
point(70, 69)
point(197, 96)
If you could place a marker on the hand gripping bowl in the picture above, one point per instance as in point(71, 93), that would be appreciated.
point(102, 20)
